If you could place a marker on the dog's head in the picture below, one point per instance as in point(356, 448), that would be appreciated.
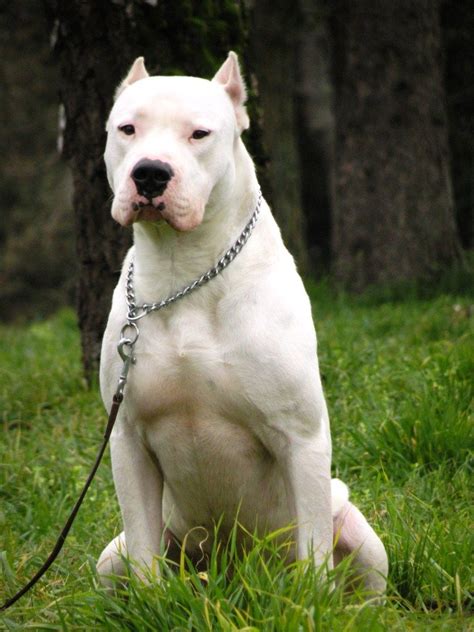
point(170, 140)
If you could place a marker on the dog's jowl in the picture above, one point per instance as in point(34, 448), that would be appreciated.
point(224, 412)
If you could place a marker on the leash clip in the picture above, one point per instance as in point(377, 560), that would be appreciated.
point(125, 348)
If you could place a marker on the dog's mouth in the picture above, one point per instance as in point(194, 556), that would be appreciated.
point(177, 216)
point(148, 211)
point(138, 206)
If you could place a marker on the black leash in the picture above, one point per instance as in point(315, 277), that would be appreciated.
point(117, 400)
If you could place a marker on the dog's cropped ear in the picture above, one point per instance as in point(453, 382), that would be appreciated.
point(230, 77)
point(136, 72)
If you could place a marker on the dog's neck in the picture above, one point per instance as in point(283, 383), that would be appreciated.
point(166, 256)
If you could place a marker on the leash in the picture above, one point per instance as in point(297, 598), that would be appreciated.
point(125, 348)
point(65, 530)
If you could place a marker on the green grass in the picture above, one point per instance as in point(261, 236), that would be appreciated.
point(398, 375)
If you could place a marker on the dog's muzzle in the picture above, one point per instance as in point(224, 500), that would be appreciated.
point(151, 177)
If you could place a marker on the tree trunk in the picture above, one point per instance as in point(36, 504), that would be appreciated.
point(96, 42)
point(458, 38)
point(274, 29)
point(393, 216)
point(315, 131)
point(92, 51)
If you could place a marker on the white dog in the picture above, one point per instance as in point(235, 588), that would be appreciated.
point(224, 412)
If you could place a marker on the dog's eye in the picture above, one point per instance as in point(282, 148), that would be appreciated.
point(128, 130)
point(200, 133)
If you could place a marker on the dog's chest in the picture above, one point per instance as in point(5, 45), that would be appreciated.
point(184, 366)
point(188, 400)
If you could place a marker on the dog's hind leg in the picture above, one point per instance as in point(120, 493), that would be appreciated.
point(353, 535)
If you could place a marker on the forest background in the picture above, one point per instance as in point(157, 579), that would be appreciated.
point(362, 129)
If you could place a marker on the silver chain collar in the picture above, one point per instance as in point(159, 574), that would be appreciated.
point(130, 331)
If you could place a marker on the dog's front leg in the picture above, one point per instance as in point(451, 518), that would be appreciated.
point(308, 482)
point(139, 486)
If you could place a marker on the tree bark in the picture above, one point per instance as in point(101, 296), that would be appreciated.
point(274, 31)
point(92, 51)
point(95, 43)
point(315, 131)
point(458, 38)
point(393, 216)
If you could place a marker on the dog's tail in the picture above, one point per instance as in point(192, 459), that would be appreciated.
point(339, 494)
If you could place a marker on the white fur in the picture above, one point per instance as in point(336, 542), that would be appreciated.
point(224, 411)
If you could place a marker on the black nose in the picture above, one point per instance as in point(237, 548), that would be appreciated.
point(151, 177)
